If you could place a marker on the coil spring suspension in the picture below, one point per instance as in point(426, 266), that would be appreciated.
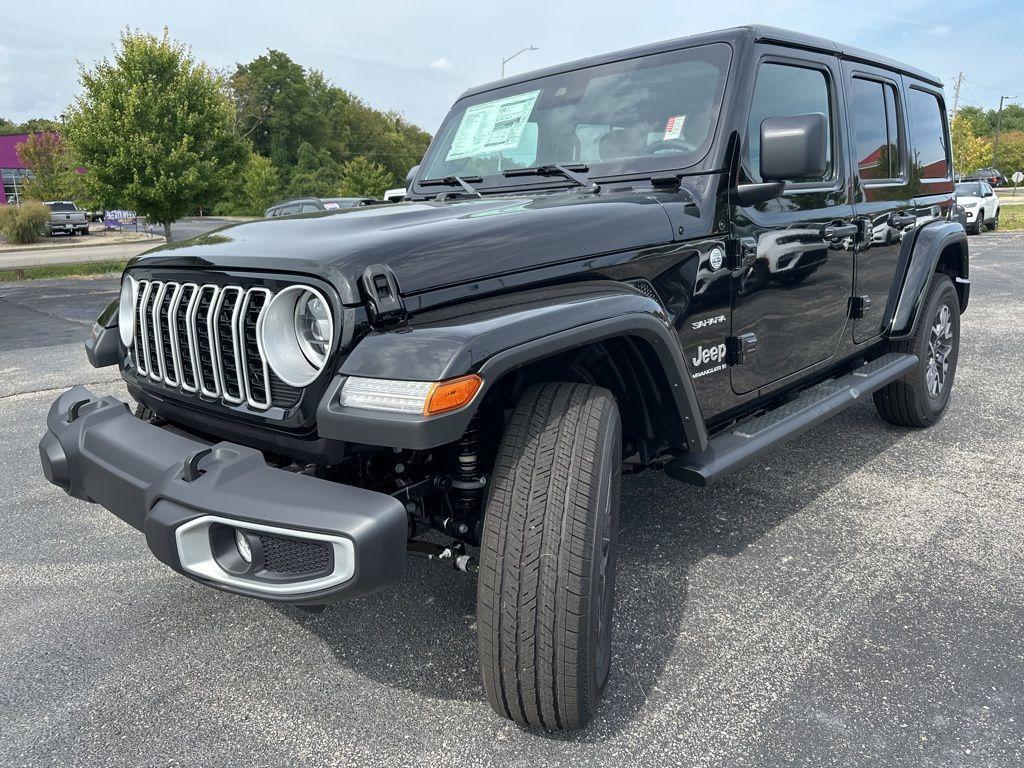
point(467, 486)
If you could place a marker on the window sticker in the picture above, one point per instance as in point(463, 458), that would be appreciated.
point(674, 127)
point(493, 126)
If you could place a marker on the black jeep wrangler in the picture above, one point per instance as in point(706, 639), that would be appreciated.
point(671, 258)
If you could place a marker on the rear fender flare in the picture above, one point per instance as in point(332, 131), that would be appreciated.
point(921, 256)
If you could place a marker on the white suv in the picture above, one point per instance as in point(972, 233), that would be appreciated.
point(980, 204)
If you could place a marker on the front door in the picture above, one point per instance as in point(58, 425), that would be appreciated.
point(882, 194)
point(793, 296)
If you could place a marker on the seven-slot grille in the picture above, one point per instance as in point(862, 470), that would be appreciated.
point(202, 339)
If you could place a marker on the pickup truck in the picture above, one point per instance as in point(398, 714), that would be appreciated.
point(66, 217)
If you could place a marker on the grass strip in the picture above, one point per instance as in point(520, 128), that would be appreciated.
point(78, 269)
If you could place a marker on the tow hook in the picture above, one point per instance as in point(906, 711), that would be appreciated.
point(455, 553)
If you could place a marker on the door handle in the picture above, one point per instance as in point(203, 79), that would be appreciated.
point(838, 231)
point(902, 220)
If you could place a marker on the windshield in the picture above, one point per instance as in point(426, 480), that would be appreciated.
point(968, 189)
point(641, 115)
point(61, 207)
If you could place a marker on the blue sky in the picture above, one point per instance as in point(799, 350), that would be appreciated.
point(417, 57)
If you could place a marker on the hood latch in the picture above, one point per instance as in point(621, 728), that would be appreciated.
point(380, 289)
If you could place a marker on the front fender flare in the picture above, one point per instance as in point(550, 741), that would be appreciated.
point(493, 337)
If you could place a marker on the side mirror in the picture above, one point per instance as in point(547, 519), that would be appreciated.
point(410, 176)
point(794, 147)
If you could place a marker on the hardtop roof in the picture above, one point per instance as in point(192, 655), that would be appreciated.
point(739, 35)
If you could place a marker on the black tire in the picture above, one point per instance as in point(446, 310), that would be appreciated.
point(547, 557)
point(994, 224)
point(914, 400)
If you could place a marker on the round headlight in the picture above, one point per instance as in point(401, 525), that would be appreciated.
point(126, 310)
point(296, 333)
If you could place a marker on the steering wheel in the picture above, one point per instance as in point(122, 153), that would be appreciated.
point(667, 145)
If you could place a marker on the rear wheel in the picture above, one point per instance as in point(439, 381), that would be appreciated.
point(920, 397)
point(994, 224)
point(547, 557)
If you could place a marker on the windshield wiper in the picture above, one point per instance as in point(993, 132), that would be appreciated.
point(462, 181)
point(554, 169)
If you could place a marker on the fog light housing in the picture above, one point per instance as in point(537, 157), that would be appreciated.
point(242, 543)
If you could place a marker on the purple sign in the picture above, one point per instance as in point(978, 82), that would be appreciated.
point(120, 219)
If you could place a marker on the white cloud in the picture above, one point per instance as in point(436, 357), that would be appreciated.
point(442, 64)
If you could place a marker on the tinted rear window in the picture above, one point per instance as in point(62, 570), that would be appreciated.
point(928, 134)
point(61, 207)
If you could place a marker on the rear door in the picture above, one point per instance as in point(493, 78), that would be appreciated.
point(883, 200)
point(793, 296)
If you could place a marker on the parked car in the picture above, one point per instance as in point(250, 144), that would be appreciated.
point(311, 204)
point(559, 299)
point(990, 175)
point(980, 204)
point(67, 218)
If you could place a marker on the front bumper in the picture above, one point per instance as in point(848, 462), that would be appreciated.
point(183, 494)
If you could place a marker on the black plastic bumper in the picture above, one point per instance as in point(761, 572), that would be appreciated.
point(96, 450)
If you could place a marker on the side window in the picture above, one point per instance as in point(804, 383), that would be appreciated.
point(782, 90)
point(307, 207)
point(930, 159)
point(875, 129)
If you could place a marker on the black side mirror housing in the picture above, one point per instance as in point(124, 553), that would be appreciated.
point(794, 147)
point(410, 176)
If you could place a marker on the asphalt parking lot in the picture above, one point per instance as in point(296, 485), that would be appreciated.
point(855, 599)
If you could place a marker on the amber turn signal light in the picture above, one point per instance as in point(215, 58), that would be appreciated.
point(448, 395)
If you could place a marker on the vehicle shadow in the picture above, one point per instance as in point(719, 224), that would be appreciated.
point(420, 635)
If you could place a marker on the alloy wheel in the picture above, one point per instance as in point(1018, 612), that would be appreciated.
point(940, 345)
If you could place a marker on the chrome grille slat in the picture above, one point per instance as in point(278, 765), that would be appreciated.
point(226, 349)
point(154, 348)
point(184, 362)
point(165, 333)
point(205, 349)
point(204, 340)
point(255, 381)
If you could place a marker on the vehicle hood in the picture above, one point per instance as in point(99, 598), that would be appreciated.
point(965, 199)
point(432, 243)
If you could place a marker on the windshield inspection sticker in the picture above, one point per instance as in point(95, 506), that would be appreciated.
point(492, 126)
point(674, 127)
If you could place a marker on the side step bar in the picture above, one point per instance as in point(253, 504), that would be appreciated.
point(751, 439)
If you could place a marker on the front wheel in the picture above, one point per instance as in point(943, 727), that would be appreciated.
point(547, 557)
point(920, 397)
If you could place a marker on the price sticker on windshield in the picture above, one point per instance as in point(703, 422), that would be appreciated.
point(493, 126)
point(674, 127)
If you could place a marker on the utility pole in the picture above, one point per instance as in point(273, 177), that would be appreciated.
point(999, 124)
point(956, 92)
point(506, 61)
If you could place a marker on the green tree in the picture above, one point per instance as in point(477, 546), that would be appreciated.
point(316, 173)
point(55, 175)
point(280, 106)
point(260, 185)
point(970, 152)
point(361, 177)
point(977, 118)
point(155, 128)
point(1011, 152)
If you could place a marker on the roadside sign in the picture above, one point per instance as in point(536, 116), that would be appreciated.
point(1016, 178)
point(119, 219)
